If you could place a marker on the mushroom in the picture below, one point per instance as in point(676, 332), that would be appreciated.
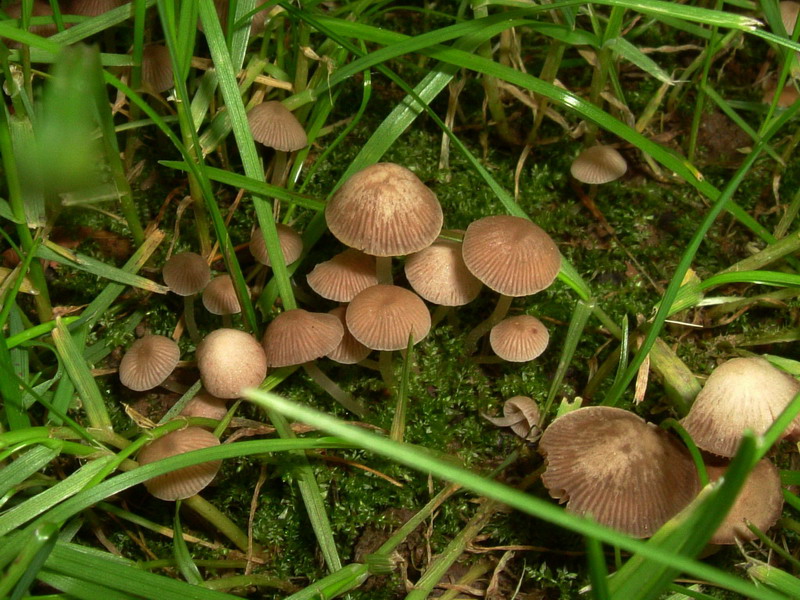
point(789, 12)
point(384, 210)
point(343, 276)
point(274, 125)
point(290, 241)
point(230, 360)
point(521, 414)
point(742, 393)
point(40, 9)
point(220, 298)
point(206, 406)
point(519, 339)
point(187, 481)
point(148, 362)
point(157, 74)
point(349, 351)
point(92, 8)
point(512, 256)
point(597, 165)
point(187, 274)
point(609, 463)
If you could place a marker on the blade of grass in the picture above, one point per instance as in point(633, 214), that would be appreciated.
point(23, 571)
point(183, 558)
point(24, 466)
point(401, 407)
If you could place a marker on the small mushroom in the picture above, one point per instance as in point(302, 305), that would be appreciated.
point(230, 360)
point(598, 164)
point(206, 406)
point(92, 8)
point(343, 276)
point(157, 68)
point(519, 339)
point(187, 274)
point(274, 125)
point(290, 241)
point(349, 351)
point(148, 362)
point(521, 414)
point(220, 298)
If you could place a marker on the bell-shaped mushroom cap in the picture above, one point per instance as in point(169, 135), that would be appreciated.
point(519, 339)
point(760, 502)
point(205, 405)
point(157, 68)
point(290, 241)
point(789, 11)
point(220, 298)
point(275, 126)
point(349, 351)
point(92, 8)
point(148, 362)
point(511, 255)
point(297, 336)
point(521, 414)
point(598, 164)
point(229, 361)
point(385, 210)
point(742, 393)
point(188, 481)
point(186, 273)
point(383, 316)
point(439, 275)
point(343, 276)
point(611, 464)
point(789, 95)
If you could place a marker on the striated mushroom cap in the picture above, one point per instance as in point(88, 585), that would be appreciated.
point(206, 406)
point(439, 275)
point(188, 481)
point(610, 464)
point(384, 210)
point(290, 241)
point(349, 351)
point(230, 360)
point(519, 339)
point(511, 255)
point(186, 273)
point(157, 68)
point(297, 336)
point(343, 276)
point(148, 362)
point(789, 11)
point(742, 393)
point(382, 317)
point(275, 126)
point(92, 8)
point(219, 297)
point(598, 164)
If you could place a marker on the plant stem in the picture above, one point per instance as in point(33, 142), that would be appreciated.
point(500, 311)
point(336, 392)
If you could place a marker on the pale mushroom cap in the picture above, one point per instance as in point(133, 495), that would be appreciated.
point(439, 275)
point(275, 126)
point(610, 464)
point(148, 362)
point(521, 414)
point(205, 405)
point(157, 68)
point(789, 11)
point(385, 210)
point(343, 276)
point(290, 241)
point(297, 336)
point(349, 351)
point(598, 164)
point(511, 255)
point(92, 8)
point(186, 273)
point(219, 296)
point(230, 360)
point(742, 393)
point(188, 481)
point(382, 317)
point(519, 339)
point(760, 502)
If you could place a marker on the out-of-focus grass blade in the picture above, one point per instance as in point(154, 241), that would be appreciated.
point(22, 572)
point(26, 287)
point(182, 556)
point(16, 415)
point(89, 27)
point(24, 144)
point(24, 466)
point(598, 572)
point(624, 49)
point(78, 588)
point(775, 578)
point(81, 377)
point(345, 579)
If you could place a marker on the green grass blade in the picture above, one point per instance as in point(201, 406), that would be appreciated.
point(624, 49)
point(24, 466)
point(598, 572)
point(775, 578)
point(78, 588)
point(401, 407)
point(15, 414)
point(23, 571)
point(183, 558)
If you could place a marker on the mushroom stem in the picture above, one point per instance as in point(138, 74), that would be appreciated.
point(383, 267)
point(227, 321)
point(330, 386)
point(500, 311)
point(385, 367)
point(188, 318)
point(440, 313)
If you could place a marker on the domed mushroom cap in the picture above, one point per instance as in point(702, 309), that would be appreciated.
point(519, 339)
point(186, 273)
point(297, 336)
point(439, 275)
point(230, 360)
point(343, 276)
point(521, 414)
point(188, 481)
point(148, 362)
point(382, 317)
point(157, 68)
point(598, 164)
point(349, 351)
point(385, 210)
point(92, 8)
point(219, 297)
point(626, 473)
point(788, 96)
point(206, 406)
point(275, 126)
point(290, 241)
point(789, 12)
point(760, 502)
point(511, 255)
point(742, 393)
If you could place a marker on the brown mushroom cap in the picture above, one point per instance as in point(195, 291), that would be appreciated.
point(206, 406)
point(297, 336)
point(742, 393)
point(275, 126)
point(611, 464)
point(439, 275)
point(760, 502)
point(385, 210)
point(92, 8)
point(382, 317)
point(519, 339)
point(230, 360)
point(219, 296)
point(343, 276)
point(290, 241)
point(511, 255)
point(789, 12)
point(148, 362)
point(598, 164)
point(157, 68)
point(188, 481)
point(788, 96)
point(349, 351)
point(521, 414)
point(186, 273)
